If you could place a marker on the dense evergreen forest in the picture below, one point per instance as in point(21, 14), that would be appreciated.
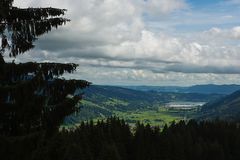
point(113, 139)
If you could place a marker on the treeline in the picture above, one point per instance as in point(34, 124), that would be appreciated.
point(113, 139)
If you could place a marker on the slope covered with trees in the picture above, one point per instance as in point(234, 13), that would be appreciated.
point(227, 108)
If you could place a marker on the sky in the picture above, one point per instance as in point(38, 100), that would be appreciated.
point(144, 42)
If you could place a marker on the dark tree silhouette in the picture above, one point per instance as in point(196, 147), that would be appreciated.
point(32, 96)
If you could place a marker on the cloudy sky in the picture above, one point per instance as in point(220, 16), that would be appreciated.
point(145, 42)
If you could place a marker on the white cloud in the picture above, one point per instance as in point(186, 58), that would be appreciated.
point(236, 32)
point(226, 34)
point(110, 41)
point(156, 7)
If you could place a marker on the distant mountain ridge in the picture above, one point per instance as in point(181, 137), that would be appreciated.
point(203, 89)
point(98, 92)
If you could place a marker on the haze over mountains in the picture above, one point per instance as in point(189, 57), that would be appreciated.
point(204, 89)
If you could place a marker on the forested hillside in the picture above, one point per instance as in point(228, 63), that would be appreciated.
point(227, 108)
point(114, 140)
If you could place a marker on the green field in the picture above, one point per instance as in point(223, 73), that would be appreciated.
point(155, 116)
point(158, 117)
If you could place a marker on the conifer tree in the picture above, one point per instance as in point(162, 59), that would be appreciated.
point(32, 96)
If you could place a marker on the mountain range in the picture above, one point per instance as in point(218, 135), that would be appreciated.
point(203, 89)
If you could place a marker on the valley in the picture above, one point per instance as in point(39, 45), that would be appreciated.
point(149, 107)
